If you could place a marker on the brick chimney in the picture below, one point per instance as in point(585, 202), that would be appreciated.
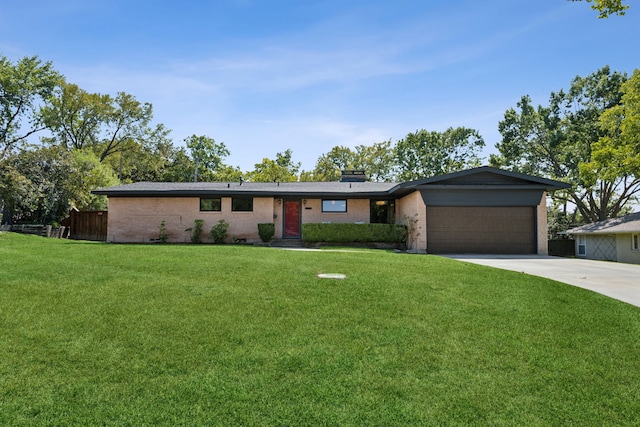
point(353, 176)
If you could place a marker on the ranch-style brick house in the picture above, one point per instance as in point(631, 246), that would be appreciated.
point(480, 210)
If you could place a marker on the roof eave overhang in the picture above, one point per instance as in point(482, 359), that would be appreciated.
point(481, 187)
point(602, 232)
point(274, 194)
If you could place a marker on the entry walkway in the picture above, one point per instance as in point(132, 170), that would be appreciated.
point(613, 279)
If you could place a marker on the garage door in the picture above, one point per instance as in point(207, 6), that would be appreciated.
point(481, 230)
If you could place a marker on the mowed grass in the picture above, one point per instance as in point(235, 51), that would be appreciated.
point(100, 334)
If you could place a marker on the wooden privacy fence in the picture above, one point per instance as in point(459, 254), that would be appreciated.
point(87, 225)
point(562, 247)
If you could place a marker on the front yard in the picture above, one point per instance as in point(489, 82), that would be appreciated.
point(100, 334)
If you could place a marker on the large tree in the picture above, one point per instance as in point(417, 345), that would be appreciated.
point(424, 154)
point(181, 168)
point(108, 125)
point(615, 157)
point(146, 160)
point(282, 169)
point(207, 156)
point(329, 165)
point(88, 174)
point(376, 160)
point(556, 140)
point(25, 87)
point(40, 185)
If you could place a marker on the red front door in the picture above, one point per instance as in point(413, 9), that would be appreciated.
point(292, 219)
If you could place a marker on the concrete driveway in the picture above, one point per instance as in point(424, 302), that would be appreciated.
point(615, 280)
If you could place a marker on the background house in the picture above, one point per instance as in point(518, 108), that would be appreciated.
point(480, 210)
point(615, 239)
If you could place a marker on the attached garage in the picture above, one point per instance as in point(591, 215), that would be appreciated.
point(485, 211)
point(481, 230)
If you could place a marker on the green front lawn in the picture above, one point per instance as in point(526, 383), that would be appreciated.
point(99, 334)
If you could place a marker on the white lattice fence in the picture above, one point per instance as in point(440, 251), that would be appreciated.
point(602, 248)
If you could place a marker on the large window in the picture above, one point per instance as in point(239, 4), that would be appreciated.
point(383, 212)
point(242, 204)
point(334, 206)
point(211, 204)
point(635, 242)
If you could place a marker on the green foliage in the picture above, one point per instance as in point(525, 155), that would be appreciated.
point(42, 184)
point(163, 235)
point(558, 221)
point(196, 231)
point(283, 169)
point(35, 185)
point(25, 87)
point(180, 167)
point(424, 154)
point(329, 165)
point(89, 174)
point(354, 233)
point(227, 173)
point(219, 231)
point(617, 153)
point(150, 159)
point(76, 117)
point(376, 160)
point(556, 141)
point(608, 7)
point(105, 124)
point(207, 154)
point(266, 231)
point(18, 194)
point(235, 335)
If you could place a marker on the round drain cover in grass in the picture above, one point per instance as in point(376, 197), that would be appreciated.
point(339, 276)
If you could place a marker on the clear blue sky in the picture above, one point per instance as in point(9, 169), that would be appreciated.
point(263, 76)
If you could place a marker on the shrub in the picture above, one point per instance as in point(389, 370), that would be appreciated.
point(354, 233)
point(196, 231)
point(219, 231)
point(163, 236)
point(266, 231)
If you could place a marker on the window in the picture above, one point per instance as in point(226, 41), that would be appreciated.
point(242, 204)
point(582, 245)
point(211, 205)
point(635, 242)
point(334, 206)
point(382, 212)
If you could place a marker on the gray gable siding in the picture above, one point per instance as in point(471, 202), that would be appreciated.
point(484, 178)
point(481, 197)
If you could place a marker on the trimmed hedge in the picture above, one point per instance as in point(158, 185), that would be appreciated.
point(354, 233)
point(266, 231)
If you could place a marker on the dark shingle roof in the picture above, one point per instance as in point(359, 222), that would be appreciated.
point(483, 176)
point(624, 224)
point(470, 177)
point(269, 189)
